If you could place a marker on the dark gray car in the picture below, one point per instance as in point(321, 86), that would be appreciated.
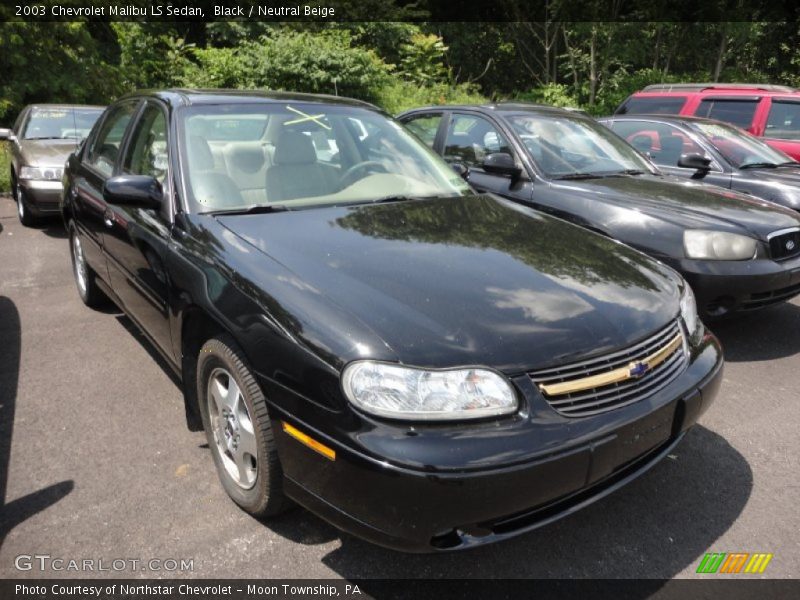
point(738, 252)
point(713, 152)
point(42, 138)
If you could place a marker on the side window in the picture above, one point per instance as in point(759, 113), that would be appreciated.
point(784, 120)
point(471, 138)
point(425, 127)
point(147, 151)
point(664, 143)
point(666, 105)
point(105, 146)
point(738, 112)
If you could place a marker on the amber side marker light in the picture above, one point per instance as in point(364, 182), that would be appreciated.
point(301, 437)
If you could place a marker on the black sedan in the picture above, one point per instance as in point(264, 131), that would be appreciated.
point(356, 330)
point(738, 253)
point(713, 152)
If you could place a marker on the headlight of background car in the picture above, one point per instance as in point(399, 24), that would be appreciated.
point(400, 392)
point(689, 310)
point(718, 245)
point(41, 173)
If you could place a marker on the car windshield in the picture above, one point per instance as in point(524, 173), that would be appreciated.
point(297, 155)
point(564, 146)
point(52, 122)
point(741, 149)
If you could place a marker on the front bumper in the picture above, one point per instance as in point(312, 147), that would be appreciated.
point(484, 484)
point(726, 287)
point(42, 197)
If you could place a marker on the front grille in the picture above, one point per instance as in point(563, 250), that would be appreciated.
point(763, 299)
point(784, 244)
point(567, 390)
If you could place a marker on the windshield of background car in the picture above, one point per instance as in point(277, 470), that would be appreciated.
point(47, 123)
point(740, 148)
point(299, 155)
point(562, 145)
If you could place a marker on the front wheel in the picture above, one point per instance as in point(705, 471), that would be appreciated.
point(238, 429)
point(23, 210)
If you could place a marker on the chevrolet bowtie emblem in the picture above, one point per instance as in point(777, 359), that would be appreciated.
point(637, 369)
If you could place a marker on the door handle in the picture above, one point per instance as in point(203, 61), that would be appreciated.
point(108, 219)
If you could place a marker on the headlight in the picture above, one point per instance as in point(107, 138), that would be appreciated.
point(400, 392)
point(689, 310)
point(718, 245)
point(41, 173)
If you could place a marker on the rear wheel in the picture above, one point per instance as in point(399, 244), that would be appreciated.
point(90, 294)
point(238, 429)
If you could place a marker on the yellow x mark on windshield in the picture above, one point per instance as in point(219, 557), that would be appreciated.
point(305, 117)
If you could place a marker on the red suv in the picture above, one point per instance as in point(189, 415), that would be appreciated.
point(768, 111)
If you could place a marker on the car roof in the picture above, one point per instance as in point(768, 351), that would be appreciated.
point(189, 97)
point(717, 87)
point(510, 107)
point(665, 118)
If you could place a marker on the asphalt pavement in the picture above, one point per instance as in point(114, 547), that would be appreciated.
point(96, 462)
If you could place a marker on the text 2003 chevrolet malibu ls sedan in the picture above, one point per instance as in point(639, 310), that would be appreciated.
point(427, 368)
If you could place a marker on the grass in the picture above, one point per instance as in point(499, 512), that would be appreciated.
point(5, 174)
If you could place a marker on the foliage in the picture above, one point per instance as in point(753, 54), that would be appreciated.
point(398, 95)
point(422, 59)
point(5, 173)
point(554, 94)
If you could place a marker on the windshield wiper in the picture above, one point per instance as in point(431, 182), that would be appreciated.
point(48, 137)
point(758, 165)
point(251, 210)
point(574, 176)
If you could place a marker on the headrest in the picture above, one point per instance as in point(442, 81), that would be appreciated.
point(294, 148)
point(246, 158)
point(200, 153)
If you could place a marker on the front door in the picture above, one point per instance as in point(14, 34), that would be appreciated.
point(136, 239)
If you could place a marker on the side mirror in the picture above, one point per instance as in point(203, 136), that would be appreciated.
point(501, 163)
point(698, 162)
point(142, 191)
point(461, 169)
point(5, 134)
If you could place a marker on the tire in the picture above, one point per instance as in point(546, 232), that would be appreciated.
point(23, 210)
point(237, 423)
point(85, 279)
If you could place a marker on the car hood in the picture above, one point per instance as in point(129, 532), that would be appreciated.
point(473, 280)
point(687, 203)
point(47, 153)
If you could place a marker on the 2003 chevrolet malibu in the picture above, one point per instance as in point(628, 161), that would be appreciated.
point(358, 331)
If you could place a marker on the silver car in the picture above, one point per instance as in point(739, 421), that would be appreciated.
point(41, 140)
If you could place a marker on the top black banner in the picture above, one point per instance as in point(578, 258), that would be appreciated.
point(403, 10)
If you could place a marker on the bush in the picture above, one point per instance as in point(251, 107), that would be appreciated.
point(553, 94)
point(399, 95)
point(5, 173)
point(322, 63)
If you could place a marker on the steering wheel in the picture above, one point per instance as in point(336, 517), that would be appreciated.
point(365, 165)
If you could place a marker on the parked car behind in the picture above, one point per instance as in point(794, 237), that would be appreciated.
point(735, 251)
point(713, 152)
point(42, 138)
point(357, 330)
point(771, 112)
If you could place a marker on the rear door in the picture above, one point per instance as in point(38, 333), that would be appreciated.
point(136, 239)
point(98, 163)
point(737, 110)
point(782, 125)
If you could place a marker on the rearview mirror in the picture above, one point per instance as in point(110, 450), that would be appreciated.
point(5, 134)
point(501, 163)
point(142, 191)
point(698, 162)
